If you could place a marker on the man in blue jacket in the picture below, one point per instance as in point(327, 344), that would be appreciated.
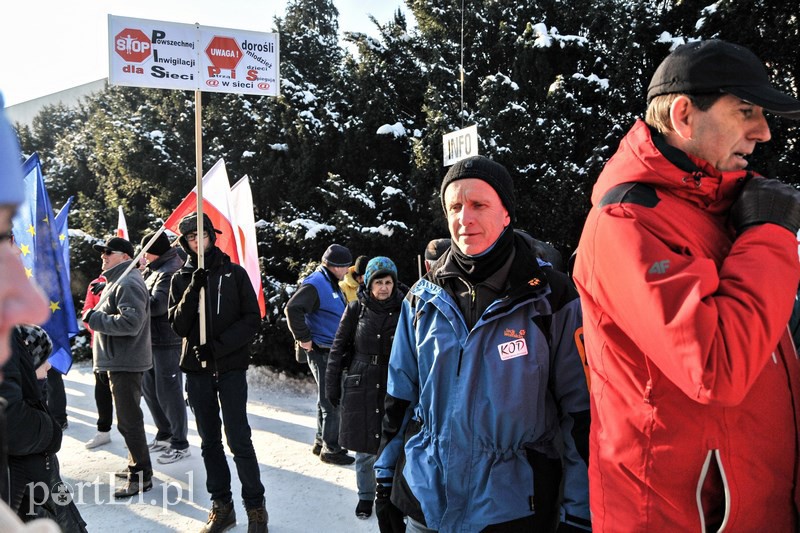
point(313, 315)
point(487, 406)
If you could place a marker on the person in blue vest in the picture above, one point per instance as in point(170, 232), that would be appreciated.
point(313, 315)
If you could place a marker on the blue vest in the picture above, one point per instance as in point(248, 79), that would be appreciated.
point(324, 322)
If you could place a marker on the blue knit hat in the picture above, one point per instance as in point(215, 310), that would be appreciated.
point(11, 191)
point(378, 267)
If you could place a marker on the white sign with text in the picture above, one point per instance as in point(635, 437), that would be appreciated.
point(169, 55)
point(460, 144)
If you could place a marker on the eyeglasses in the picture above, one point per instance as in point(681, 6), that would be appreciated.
point(191, 237)
point(110, 252)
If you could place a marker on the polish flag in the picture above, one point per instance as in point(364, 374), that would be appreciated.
point(218, 205)
point(122, 226)
point(244, 219)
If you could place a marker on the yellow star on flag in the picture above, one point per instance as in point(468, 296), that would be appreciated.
point(54, 307)
point(45, 220)
point(29, 272)
point(32, 230)
point(25, 249)
point(62, 237)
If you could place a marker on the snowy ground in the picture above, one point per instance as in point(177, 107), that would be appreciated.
point(303, 494)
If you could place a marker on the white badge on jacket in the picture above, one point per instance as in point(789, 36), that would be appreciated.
point(511, 349)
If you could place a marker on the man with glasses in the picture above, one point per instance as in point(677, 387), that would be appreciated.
point(121, 347)
point(216, 370)
point(21, 301)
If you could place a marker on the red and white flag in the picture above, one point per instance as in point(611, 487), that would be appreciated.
point(225, 216)
point(122, 226)
point(216, 204)
point(244, 219)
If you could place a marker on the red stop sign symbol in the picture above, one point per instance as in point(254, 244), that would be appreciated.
point(132, 45)
point(224, 52)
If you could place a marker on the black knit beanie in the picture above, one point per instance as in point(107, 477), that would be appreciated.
point(483, 168)
point(160, 246)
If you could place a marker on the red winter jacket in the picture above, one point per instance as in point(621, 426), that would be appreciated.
point(694, 377)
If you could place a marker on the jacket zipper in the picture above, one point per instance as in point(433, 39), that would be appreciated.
point(219, 293)
point(713, 454)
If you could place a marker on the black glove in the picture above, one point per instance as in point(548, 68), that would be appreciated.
point(97, 287)
point(87, 315)
point(765, 201)
point(333, 390)
point(199, 278)
point(390, 518)
point(204, 353)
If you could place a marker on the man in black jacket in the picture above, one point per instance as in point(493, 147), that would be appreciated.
point(216, 370)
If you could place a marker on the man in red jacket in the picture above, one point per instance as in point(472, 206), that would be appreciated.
point(687, 270)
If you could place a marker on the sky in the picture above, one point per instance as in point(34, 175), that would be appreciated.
point(50, 45)
point(303, 494)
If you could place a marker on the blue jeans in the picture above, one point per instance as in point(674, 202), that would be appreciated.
point(327, 414)
point(162, 388)
point(365, 475)
point(207, 394)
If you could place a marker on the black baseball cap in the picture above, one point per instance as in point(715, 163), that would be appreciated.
point(714, 66)
point(116, 244)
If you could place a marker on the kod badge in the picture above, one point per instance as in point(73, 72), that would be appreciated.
point(512, 349)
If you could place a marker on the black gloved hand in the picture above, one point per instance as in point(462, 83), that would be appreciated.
point(204, 353)
point(333, 389)
point(87, 315)
point(764, 201)
point(199, 279)
point(97, 287)
point(390, 518)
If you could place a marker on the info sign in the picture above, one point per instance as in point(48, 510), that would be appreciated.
point(169, 55)
point(459, 145)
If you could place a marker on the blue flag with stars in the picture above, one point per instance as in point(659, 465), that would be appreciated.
point(44, 246)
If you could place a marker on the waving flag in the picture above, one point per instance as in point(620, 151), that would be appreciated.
point(227, 209)
point(122, 225)
point(244, 220)
point(216, 204)
point(44, 245)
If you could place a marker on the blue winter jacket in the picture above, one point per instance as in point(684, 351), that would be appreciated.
point(471, 414)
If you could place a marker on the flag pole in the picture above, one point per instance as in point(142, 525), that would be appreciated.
point(198, 135)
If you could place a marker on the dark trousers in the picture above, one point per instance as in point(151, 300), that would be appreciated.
point(327, 414)
point(228, 392)
point(56, 396)
point(126, 388)
point(162, 388)
point(104, 401)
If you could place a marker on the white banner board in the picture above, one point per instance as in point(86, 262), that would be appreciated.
point(168, 55)
point(460, 145)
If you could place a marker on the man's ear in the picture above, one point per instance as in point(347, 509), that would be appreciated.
point(681, 115)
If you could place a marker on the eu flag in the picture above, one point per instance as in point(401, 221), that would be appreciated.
point(44, 245)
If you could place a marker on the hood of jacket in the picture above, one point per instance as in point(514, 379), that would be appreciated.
point(644, 156)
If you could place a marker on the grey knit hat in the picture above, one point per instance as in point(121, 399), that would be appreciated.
point(337, 256)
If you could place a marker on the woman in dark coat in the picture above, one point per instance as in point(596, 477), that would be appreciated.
point(361, 351)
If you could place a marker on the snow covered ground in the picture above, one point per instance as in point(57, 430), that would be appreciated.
point(303, 494)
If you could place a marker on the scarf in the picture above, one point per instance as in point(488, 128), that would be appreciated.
point(477, 268)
